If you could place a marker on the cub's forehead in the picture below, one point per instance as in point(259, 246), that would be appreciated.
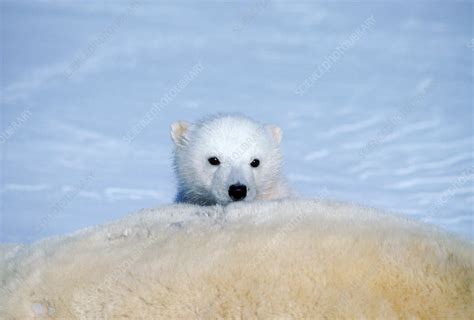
point(230, 134)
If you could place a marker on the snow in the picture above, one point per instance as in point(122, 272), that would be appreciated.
point(386, 122)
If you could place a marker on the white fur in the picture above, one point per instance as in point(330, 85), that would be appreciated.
point(288, 259)
point(235, 141)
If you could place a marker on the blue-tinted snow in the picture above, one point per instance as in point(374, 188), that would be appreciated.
point(388, 124)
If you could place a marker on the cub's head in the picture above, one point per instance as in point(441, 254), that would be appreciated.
point(225, 159)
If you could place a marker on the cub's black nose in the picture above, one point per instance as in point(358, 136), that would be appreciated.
point(237, 192)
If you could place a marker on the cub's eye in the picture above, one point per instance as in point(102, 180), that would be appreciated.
point(255, 163)
point(214, 161)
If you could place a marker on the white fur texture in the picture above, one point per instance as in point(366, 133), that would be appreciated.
point(235, 141)
point(289, 259)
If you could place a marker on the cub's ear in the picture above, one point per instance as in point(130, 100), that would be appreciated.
point(275, 132)
point(178, 131)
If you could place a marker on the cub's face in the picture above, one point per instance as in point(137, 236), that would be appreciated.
point(226, 159)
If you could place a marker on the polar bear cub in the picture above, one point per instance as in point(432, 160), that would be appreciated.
point(228, 158)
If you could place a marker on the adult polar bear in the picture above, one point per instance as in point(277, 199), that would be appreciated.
point(283, 259)
point(228, 158)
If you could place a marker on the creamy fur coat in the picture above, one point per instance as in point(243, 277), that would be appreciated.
point(291, 259)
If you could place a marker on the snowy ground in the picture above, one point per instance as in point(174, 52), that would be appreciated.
point(385, 122)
